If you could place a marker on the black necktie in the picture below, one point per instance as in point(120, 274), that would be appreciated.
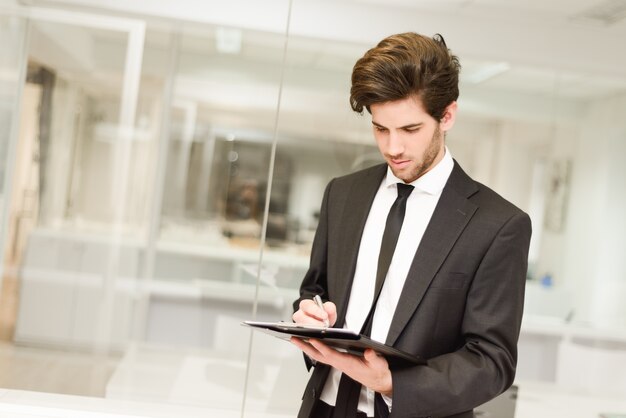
point(349, 390)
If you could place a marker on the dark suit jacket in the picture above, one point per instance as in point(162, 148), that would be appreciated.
point(461, 305)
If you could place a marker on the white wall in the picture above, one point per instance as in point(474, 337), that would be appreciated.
point(498, 153)
point(513, 155)
point(595, 240)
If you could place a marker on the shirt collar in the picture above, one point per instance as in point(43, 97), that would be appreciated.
point(433, 181)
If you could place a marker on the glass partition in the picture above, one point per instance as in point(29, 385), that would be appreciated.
point(13, 35)
point(318, 138)
point(74, 221)
point(202, 257)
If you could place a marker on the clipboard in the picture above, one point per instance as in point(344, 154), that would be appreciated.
point(339, 338)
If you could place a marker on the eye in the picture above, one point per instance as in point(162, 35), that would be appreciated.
point(411, 130)
point(380, 128)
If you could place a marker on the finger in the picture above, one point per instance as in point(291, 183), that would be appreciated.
point(310, 308)
point(370, 356)
point(308, 314)
point(337, 359)
point(373, 356)
point(304, 346)
point(380, 376)
point(324, 350)
point(307, 349)
point(300, 317)
point(331, 310)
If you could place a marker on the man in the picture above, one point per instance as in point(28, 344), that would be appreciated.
point(452, 277)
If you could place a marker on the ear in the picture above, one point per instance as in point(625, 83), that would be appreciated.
point(449, 116)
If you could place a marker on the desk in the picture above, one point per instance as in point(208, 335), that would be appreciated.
point(548, 400)
point(206, 378)
point(65, 279)
point(24, 404)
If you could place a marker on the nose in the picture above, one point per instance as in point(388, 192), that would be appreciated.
point(395, 146)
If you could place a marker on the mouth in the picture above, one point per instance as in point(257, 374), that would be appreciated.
point(398, 163)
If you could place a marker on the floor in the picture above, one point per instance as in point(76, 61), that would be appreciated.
point(55, 371)
point(8, 307)
point(44, 369)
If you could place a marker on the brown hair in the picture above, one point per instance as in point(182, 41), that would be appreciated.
point(403, 65)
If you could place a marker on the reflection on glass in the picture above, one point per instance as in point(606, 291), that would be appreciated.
point(319, 138)
point(67, 193)
point(12, 31)
point(81, 142)
point(225, 95)
point(215, 169)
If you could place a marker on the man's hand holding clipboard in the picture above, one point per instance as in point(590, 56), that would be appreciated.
point(363, 359)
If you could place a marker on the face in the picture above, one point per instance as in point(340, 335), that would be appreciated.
point(411, 140)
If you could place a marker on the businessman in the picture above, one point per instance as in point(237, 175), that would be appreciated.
point(415, 254)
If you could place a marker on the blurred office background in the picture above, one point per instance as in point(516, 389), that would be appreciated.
point(162, 166)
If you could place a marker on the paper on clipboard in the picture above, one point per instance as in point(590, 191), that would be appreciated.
point(338, 338)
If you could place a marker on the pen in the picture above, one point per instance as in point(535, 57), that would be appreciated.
point(318, 302)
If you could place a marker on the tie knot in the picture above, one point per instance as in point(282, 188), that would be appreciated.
point(404, 190)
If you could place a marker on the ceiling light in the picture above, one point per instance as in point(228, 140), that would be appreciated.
point(606, 13)
point(487, 71)
point(228, 40)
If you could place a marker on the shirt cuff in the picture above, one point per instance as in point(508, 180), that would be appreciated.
point(387, 400)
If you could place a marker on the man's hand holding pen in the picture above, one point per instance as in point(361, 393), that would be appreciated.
point(311, 313)
point(371, 370)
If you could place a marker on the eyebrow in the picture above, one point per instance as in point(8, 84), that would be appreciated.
point(409, 126)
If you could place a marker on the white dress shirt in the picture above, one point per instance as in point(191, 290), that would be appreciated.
point(419, 209)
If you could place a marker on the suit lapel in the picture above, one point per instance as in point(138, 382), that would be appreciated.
point(355, 211)
point(451, 215)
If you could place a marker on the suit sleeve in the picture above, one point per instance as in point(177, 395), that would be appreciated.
point(484, 366)
point(315, 279)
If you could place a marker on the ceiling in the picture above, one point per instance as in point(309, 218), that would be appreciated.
point(529, 35)
point(554, 9)
point(520, 58)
